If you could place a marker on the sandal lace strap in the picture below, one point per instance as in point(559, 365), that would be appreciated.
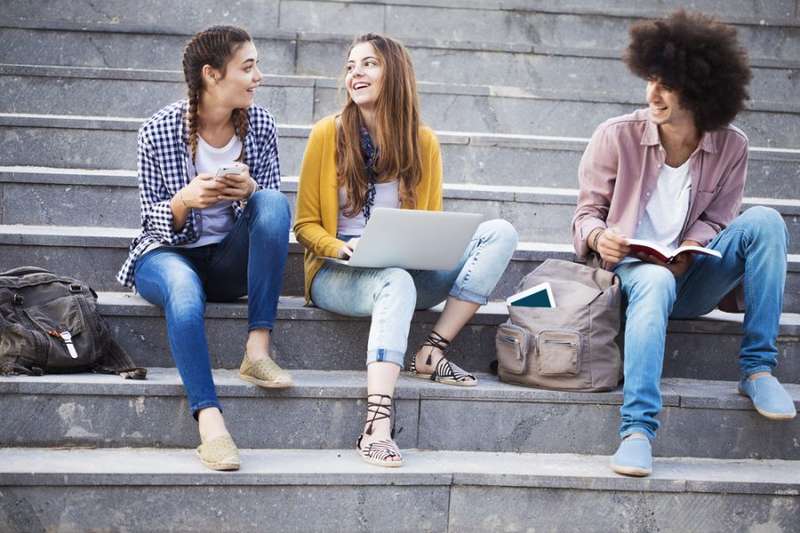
point(378, 410)
point(434, 340)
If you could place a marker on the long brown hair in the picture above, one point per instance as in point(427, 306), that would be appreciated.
point(397, 129)
point(214, 46)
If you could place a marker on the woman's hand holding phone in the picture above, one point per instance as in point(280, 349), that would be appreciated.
point(235, 182)
point(202, 192)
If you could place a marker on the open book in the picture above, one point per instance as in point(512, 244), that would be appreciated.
point(665, 254)
point(539, 296)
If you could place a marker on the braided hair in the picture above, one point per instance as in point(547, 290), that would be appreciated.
point(214, 47)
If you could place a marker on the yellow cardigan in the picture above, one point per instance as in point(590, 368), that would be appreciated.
point(317, 213)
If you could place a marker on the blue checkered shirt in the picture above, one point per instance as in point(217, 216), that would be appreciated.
point(162, 162)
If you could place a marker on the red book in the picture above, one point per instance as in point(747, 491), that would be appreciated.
point(665, 254)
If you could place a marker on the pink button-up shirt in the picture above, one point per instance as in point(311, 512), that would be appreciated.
point(620, 168)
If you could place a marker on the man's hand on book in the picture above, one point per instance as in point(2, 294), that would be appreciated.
point(611, 246)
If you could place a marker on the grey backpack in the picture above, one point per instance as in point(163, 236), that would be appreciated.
point(50, 324)
point(569, 347)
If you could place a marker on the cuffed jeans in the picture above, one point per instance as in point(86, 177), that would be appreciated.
point(753, 251)
point(250, 260)
point(390, 295)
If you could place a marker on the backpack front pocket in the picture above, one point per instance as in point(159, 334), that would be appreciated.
point(558, 353)
point(512, 348)
point(62, 320)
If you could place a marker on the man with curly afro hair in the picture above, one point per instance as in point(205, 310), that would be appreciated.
point(673, 174)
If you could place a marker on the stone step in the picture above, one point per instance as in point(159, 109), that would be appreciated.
point(311, 338)
point(74, 197)
point(95, 254)
point(383, 13)
point(565, 27)
point(305, 99)
point(83, 142)
point(532, 67)
point(206, 12)
point(769, 34)
point(324, 410)
point(436, 491)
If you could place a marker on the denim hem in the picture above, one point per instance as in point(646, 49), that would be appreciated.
point(762, 368)
point(382, 355)
point(205, 405)
point(637, 429)
point(468, 296)
point(260, 325)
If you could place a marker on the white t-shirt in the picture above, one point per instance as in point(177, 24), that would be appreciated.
point(386, 195)
point(215, 221)
point(668, 207)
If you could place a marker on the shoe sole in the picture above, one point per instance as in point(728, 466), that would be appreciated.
point(267, 384)
point(767, 414)
point(221, 466)
point(630, 470)
point(427, 377)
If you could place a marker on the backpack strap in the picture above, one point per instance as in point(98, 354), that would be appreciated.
point(23, 270)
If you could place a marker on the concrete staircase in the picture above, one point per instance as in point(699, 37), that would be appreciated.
point(513, 88)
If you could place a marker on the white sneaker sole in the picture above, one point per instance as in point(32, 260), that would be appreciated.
point(630, 470)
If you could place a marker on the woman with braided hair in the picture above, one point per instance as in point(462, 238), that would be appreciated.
point(376, 153)
point(214, 224)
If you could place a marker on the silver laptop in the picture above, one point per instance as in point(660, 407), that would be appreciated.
point(412, 239)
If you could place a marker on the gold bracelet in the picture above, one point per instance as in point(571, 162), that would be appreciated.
point(180, 197)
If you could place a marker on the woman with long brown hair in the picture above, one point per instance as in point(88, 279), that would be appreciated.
point(214, 223)
point(376, 153)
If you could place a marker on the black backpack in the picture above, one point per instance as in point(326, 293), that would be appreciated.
point(50, 324)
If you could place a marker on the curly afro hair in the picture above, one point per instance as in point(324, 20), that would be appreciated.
point(699, 58)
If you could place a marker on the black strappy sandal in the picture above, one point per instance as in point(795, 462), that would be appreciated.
point(445, 372)
point(379, 452)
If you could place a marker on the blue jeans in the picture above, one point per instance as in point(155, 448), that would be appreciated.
point(753, 251)
point(250, 260)
point(390, 295)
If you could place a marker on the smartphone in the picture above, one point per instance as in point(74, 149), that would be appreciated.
point(230, 169)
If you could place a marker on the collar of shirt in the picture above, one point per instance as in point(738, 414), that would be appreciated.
point(650, 137)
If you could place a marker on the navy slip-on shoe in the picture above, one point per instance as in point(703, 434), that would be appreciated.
point(769, 397)
point(634, 457)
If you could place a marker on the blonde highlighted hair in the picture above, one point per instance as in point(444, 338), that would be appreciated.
point(396, 135)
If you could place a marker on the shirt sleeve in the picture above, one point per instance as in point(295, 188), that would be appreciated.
point(308, 220)
point(154, 196)
point(725, 205)
point(268, 175)
point(436, 173)
point(597, 175)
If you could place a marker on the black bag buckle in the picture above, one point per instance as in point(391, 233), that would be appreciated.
point(74, 287)
point(17, 299)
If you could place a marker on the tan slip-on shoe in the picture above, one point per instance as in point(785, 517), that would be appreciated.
point(264, 373)
point(220, 453)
